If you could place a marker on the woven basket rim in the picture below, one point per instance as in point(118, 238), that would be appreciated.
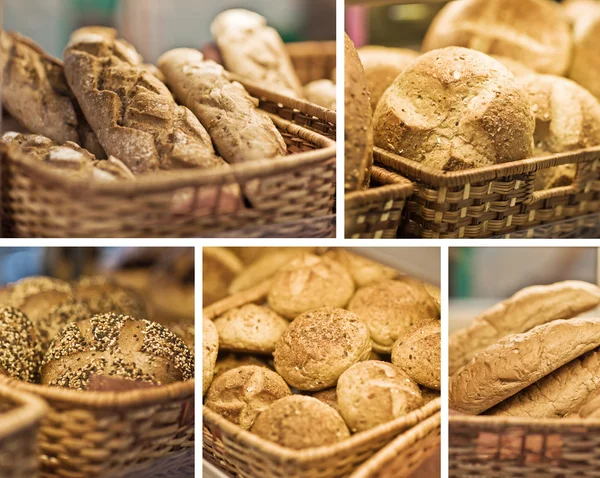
point(438, 178)
point(28, 411)
point(397, 188)
point(249, 439)
point(491, 422)
point(107, 400)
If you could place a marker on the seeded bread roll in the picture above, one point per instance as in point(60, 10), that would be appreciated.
point(210, 350)
point(523, 311)
point(363, 271)
point(329, 397)
point(103, 295)
point(318, 346)
point(21, 351)
point(372, 393)
point(219, 267)
point(133, 114)
point(515, 362)
point(116, 346)
point(358, 126)
point(229, 361)
point(307, 283)
point(391, 308)
point(300, 422)
point(251, 329)
point(455, 109)
point(382, 65)
point(585, 67)
point(255, 51)
point(534, 32)
point(186, 331)
point(241, 394)
point(322, 93)
point(35, 93)
point(419, 353)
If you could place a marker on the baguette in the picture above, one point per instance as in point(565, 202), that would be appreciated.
point(515, 362)
point(526, 309)
point(36, 94)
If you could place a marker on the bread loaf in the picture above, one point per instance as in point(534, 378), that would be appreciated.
point(35, 92)
point(21, 350)
point(515, 67)
point(219, 267)
point(210, 349)
point(363, 271)
point(321, 92)
point(229, 361)
point(523, 311)
point(516, 361)
point(358, 123)
point(255, 51)
point(533, 32)
point(585, 67)
point(103, 295)
point(455, 109)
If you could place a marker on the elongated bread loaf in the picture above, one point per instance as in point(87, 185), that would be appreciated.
point(526, 309)
point(255, 51)
point(558, 394)
point(515, 362)
point(239, 130)
point(36, 94)
point(133, 113)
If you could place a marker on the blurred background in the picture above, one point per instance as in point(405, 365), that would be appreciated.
point(155, 26)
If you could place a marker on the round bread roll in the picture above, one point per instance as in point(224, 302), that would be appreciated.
point(533, 32)
point(382, 65)
point(116, 346)
point(21, 351)
point(515, 67)
point(229, 361)
point(307, 283)
point(318, 346)
point(242, 393)
point(363, 271)
point(210, 350)
point(455, 109)
point(358, 126)
point(103, 294)
point(419, 353)
point(300, 422)
point(251, 328)
point(585, 67)
point(219, 267)
point(321, 92)
point(391, 308)
point(371, 393)
point(329, 397)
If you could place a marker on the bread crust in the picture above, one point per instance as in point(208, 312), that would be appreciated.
point(210, 350)
point(21, 351)
point(363, 271)
point(585, 67)
point(219, 267)
point(321, 92)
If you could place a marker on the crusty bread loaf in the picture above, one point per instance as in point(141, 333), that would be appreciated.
point(219, 267)
point(558, 394)
point(21, 351)
point(321, 92)
point(186, 331)
point(585, 67)
point(382, 65)
point(363, 271)
point(35, 92)
point(516, 361)
point(318, 346)
point(103, 294)
point(255, 51)
point(133, 114)
point(358, 123)
point(533, 32)
point(523, 311)
point(210, 350)
point(454, 109)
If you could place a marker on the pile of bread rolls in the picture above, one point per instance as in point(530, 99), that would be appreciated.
point(496, 81)
point(530, 356)
point(341, 344)
point(89, 335)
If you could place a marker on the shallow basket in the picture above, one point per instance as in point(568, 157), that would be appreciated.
point(20, 416)
point(404, 454)
point(494, 200)
point(99, 434)
point(523, 448)
point(376, 213)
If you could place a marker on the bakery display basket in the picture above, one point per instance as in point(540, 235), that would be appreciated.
point(20, 417)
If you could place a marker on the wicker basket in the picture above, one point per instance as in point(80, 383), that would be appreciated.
point(494, 200)
point(98, 434)
point(520, 447)
point(405, 454)
point(20, 416)
point(376, 213)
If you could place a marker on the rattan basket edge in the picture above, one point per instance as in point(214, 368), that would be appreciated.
point(28, 410)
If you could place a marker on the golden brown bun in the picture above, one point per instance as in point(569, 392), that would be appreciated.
point(322, 93)
point(241, 394)
point(210, 350)
point(229, 361)
point(533, 32)
point(300, 422)
point(103, 294)
point(455, 109)
point(377, 305)
point(419, 353)
point(585, 67)
point(363, 271)
point(318, 346)
point(515, 67)
point(328, 396)
point(21, 351)
point(219, 267)
point(309, 282)
point(372, 393)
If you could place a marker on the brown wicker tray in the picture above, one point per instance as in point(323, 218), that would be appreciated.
point(20, 416)
point(493, 200)
point(97, 434)
point(523, 448)
point(376, 213)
